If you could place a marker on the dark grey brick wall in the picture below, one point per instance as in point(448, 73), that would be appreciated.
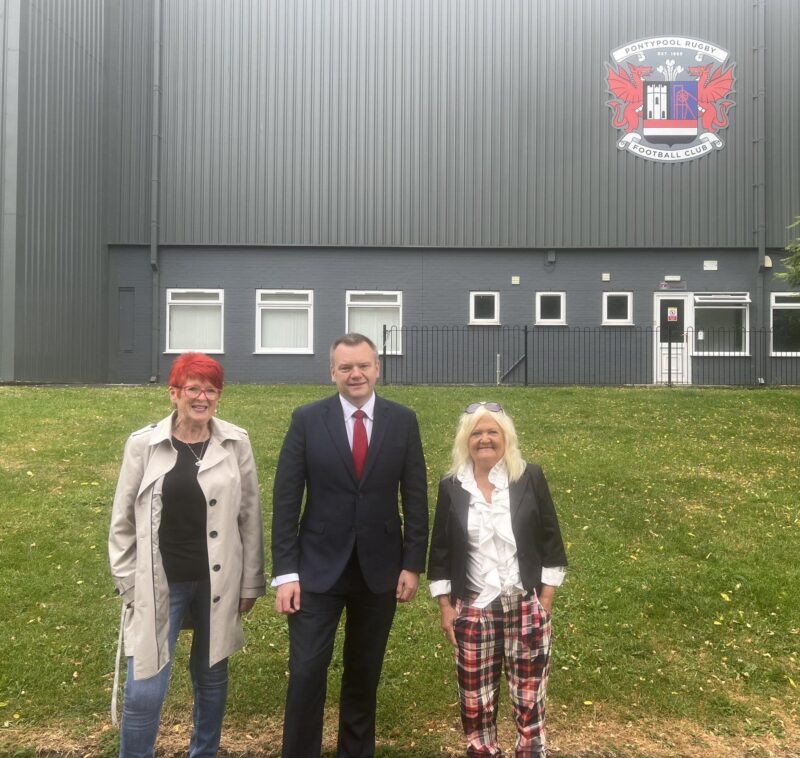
point(435, 284)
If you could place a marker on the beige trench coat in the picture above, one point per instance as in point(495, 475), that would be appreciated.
point(235, 540)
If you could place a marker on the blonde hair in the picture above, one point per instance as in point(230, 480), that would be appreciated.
point(467, 423)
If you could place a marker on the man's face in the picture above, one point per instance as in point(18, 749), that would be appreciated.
point(354, 372)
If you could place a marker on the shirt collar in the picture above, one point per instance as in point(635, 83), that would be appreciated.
point(349, 409)
point(498, 476)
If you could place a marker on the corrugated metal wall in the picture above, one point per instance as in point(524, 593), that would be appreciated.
point(128, 118)
point(469, 123)
point(783, 121)
point(9, 86)
point(61, 303)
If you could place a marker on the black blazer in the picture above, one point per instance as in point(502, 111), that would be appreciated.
point(533, 521)
point(340, 511)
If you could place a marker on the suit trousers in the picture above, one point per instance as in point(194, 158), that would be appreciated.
point(312, 631)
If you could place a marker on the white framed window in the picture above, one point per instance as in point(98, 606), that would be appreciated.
point(285, 321)
point(484, 308)
point(617, 309)
point(195, 320)
point(551, 308)
point(721, 324)
point(369, 311)
point(785, 324)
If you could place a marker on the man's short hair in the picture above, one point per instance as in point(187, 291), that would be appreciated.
point(351, 340)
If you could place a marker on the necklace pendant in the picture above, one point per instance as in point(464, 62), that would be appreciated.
point(198, 463)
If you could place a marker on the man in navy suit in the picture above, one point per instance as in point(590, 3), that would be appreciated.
point(352, 455)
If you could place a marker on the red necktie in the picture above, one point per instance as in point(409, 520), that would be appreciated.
point(359, 442)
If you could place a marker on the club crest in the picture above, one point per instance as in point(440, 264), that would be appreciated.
point(671, 96)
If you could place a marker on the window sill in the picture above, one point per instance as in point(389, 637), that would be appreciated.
point(695, 354)
point(179, 351)
point(283, 351)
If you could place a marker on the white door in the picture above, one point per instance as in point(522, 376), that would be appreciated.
point(672, 361)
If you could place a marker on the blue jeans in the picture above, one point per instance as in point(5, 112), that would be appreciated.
point(141, 711)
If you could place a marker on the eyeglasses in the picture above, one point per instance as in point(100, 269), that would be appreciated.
point(493, 407)
point(193, 392)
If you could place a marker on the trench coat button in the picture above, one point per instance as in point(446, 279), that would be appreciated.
point(216, 567)
point(213, 501)
point(212, 534)
point(216, 598)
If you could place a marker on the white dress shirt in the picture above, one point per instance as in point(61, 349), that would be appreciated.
point(348, 409)
point(492, 565)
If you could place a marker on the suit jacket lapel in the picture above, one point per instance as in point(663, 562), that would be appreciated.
point(333, 418)
point(516, 494)
point(459, 504)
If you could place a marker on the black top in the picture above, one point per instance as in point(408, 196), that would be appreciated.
point(182, 533)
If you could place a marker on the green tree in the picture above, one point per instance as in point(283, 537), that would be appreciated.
point(792, 263)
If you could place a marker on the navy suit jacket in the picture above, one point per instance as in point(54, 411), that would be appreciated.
point(342, 513)
point(533, 522)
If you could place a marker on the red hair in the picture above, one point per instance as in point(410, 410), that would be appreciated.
point(196, 364)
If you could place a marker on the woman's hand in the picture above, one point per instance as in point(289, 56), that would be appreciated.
point(447, 618)
point(246, 604)
point(546, 597)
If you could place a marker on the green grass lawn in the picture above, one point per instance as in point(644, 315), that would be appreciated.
point(679, 508)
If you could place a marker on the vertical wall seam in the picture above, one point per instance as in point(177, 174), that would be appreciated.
point(155, 194)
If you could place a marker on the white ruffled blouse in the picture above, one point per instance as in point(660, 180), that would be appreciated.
point(492, 566)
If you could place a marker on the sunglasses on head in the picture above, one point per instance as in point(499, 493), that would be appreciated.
point(493, 407)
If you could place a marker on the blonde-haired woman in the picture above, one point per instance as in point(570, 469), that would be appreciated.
point(496, 558)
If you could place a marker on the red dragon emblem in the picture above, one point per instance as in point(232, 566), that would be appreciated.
point(626, 85)
point(713, 86)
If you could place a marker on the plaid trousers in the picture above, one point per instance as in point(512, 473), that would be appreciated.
point(515, 631)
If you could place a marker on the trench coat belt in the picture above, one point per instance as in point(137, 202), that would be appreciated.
point(116, 667)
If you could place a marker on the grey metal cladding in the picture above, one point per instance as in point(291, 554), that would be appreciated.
point(60, 306)
point(128, 109)
point(5, 71)
point(783, 122)
point(9, 93)
point(466, 123)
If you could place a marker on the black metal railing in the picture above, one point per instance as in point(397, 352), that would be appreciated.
point(552, 355)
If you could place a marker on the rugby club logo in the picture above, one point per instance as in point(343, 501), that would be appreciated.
point(671, 95)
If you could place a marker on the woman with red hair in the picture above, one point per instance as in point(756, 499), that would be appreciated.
point(186, 549)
